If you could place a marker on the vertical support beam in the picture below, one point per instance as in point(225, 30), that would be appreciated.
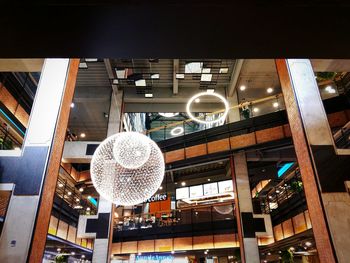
point(102, 246)
point(237, 212)
point(248, 240)
point(233, 114)
point(35, 172)
point(175, 80)
point(292, 83)
point(48, 192)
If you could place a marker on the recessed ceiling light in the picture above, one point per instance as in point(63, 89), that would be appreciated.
point(161, 187)
point(148, 95)
point(77, 200)
point(122, 73)
point(60, 185)
point(193, 67)
point(172, 252)
point(72, 253)
point(269, 90)
point(275, 104)
point(210, 90)
point(223, 70)
point(180, 76)
point(83, 65)
point(256, 109)
point(58, 249)
point(69, 193)
point(82, 256)
point(242, 87)
point(208, 179)
point(72, 105)
point(330, 89)
point(82, 135)
point(81, 189)
point(88, 209)
point(140, 83)
point(115, 81)
point(206, 70)
point(183, 183)
point(206, 77)
point(155, 76)
point(91, 59)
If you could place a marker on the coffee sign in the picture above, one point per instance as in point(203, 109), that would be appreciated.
point(157, 197)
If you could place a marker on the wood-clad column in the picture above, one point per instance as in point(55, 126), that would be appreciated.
point(289, 84)
point(244, 210)
point(50, 181)
point(34, 173)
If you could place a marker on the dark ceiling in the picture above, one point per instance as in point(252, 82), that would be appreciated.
point(176, 29)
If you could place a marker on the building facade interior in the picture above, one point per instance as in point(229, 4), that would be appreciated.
point(174, 160)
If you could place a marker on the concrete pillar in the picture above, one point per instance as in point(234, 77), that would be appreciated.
point(244, 210)
point(34, 173)
point(233, 114)
point(324, 168)
point(102, 245)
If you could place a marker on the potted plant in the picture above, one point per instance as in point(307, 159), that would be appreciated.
point(287, 256)
point(61, 258)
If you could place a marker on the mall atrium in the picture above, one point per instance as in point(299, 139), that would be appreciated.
point(175, 131)
point(174, 160)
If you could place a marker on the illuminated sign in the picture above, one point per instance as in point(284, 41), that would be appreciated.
point(157, 197)
point(163, 257)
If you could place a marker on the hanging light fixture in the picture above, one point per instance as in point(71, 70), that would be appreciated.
point(112, 177)
point(224, 209)
point(132, 149)
point(168, 114)
point(196, 99)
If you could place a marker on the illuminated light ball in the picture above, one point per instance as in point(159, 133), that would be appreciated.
point(121, 185)
point(224, 209)
point(132, 149)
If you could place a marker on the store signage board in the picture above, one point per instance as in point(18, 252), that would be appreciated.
point(205, 190)
point(155, 258)
point(211, 189)
point(157, 198)
point(196, 191)
point(182, 193)
point(225, 186)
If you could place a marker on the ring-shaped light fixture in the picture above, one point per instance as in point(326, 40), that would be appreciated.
point(168, 114)
point(223, 117)
point(177, 131)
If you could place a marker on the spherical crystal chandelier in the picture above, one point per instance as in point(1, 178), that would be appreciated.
point(224, 209)
point(132, 149)
point(116, 182)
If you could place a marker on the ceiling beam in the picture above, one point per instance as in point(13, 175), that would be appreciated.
point(234, 77)
point(21, 65)
point(175, 80)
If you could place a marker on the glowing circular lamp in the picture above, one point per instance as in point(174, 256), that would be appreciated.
point(177, 131)
point(196, 97)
